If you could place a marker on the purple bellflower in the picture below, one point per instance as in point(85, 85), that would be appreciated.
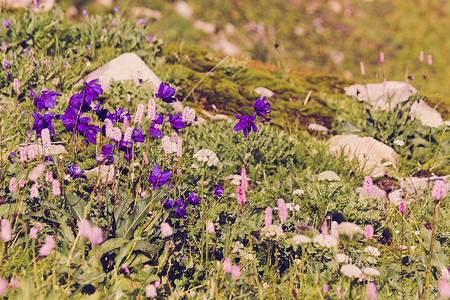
point(41, 122)
point(118, 115)
point(246, 123)
point(46, 100)
point(158, 178)
point(262, 107)
point(107, 155)
point(218, 191)
point(192, 199)
point(91, 90)
point(165, 93)
point(176, 122)
point(155, 128)
point(76, 172)
point(14, 153)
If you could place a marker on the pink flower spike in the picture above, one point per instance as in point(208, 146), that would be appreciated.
point(30, 153)
point(334, 230)
point(363, 72)
point(12, 184)
point(109, 129)
point(33, 233)
point(157, 283)
point(139, 114)
point(151, 107)
point(167, 145)
point(444, 288)
point(3, 286)
point(439, 190)
point(128, 134)
point(325, 288)
point(46, 141)
point(117, 134)
point(235, 272)
point(282, 210)
point(174, 137)
point(179, 148)
point(372, 291)
point(324, 229)
point(244, 181)
point(49, 176)
point(402, 207)
point(34, 191)
point(381, 57)
point(84, 227)
point(210, 227)
point(125, 124)
point(37, 172)
point(430, 60)
point(240, 195)
point(268, 217)
point(125, 269)
point(226, 265)
point(368, 185)
point(96, 236)
point(166, 229)
point(6, 230)
point(23, 154)
point(56, 188)
point(48, 247)
point(150, 291)
point(368, 232)
point(421, 56)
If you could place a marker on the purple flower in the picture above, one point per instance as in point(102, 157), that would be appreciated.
point(85, 13)
point(107, 154)
point(192, 199)
point(89, 46)
point(165, 93)
point(118, 115)
point(69, 119)
point(155, 128)
point(46, 100)
point(76, 172)
point(6, 23)
point(41, 122)
point(262, 107)
point(142, 21)
point(115, 23)
point(218, 191)
point(148, 38)
point(116, 9)
point(245, 123)
point(32, 93)
point(6, 64)
point(14, 153)
point(91, 90)
point(89, 132)
point(137, 135)
point(158, 178)
point(176, 122)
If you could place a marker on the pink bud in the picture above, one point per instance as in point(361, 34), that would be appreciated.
point(37, 172)
point(363, 72)
point(240, 195)
point(48, 247)
point(268, 217)
point(125, 269)
point(227, 265)
point(125, 123)
point(34, 191)
point(56, 188)
point(157, 283)
point(46, 141)
point(439, 189)
point(150, 291)
point(179, 148)
point(368, 232)
point(421, 56)
point(430, 60)
point(334, 230)
point(33, 233)
point(117, 134)
point(96, 236)
point(151, 107)
point(324, 229)
point(372, 291)
point(244, 180)
point(12, 184)
point(282, 210)
point(128, 134)
point(174, 137)
point(109, 129)
point(166, 229)
point(3, 286)
point(23, 154)
point(325, 288)
point(235, 272)
point(49, 176)
point(368, 185)
point(381, 57)
point(139, 114)
point(167, 145)
point(402, 207)
point(210, 227)
point(30, 153)
point(5, 230)
point(84, 227)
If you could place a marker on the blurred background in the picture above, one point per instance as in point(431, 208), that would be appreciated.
point(331, 36)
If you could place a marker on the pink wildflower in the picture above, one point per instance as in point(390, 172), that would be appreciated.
point(166, 229)
point(282, 210)
point(14, 282)
point(368, 185)
point(235, 272)
point(421, 56)
point(84, 227)
point(430, 60)
point(368, 232)
point(48, 247)
point(109, 129)
point(3, 286)
point(334, 230)
point(12, 184)
point(444, 288)
point(150, 291)
point(144, 154)
point(381, 57)
point(56, 188)
point(117, 134)
point(30, 153)
point(16, 85)
point(125, 269)
point(46, 141)
point(33, 233)
point(179, 148)
point(125, 123)
point(151, 107)
point(244, 181)
point(324, 229)
point(157, 283)
point(227, 265)
point(402, 207)
point(240, 195)
point(268, 217)
point(38, 226)
point(23, 154)
point(325, 288)
point(363, 72)
point(138, 80)
point(139, 114)
point(37, 172)
point(128, 134)
point(6, 230)
point(96, 236)
point(210, 227)
point(34, 191)
point(174, 138)
point(167, 145)
point(49, 176)
point(439, 190)
point(188, 116)
point(372, 291)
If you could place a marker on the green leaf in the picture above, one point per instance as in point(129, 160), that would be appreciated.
point(76, 205)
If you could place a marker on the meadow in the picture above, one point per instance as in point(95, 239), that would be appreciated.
point(111, 193)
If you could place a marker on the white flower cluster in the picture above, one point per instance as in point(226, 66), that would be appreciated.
point(300, 239)
point(349, 229)
point(350, 270)
point(208, 156)
point(328, 175)
point(396, 197)
point(372, 251)
point(273, 231)
point(298, 192)
point(326, 241)
point(293, 206)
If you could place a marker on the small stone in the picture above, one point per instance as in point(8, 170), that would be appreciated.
point(107, 173)
point(205, 26)
point(317, 127)
point(264, 92)
point(184, 10)
point(146, 12)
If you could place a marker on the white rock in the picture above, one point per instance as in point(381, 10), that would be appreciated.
point(46, 5)
point(221, 44)
point(106, 3)
point(107, 173)
point(416, 184)
point(184, 10)
point(265, 92)
point(427, 115)
point(54, 149)
point(317, 127)
point(123, 67)
point(205, 26)
point(147, 12)
point(378, 94)
point(370, 152)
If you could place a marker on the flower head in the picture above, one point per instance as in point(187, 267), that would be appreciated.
point(192, 199)
point(235, 272)
point(166, 229)
point(402, 207)
point(439, 190)
point(5, 230)
point(165, 93)
point(6, 23)
point(6, 64)
point(150, 291)
point(268, 216)
point(158, 178)
point(210, 227)
point(262, 107)
point(96, 236)
point(84, 228)
point(226, 265)
point(3, 286)
point(218, 191)
point(240, 195)
point(351, 271)
point(76, 172)
point(176, 122)
point(282, 209)
point(372, 291)
point(48, 247)
point(41, 122)
point(246, 123)
point(46, 100)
